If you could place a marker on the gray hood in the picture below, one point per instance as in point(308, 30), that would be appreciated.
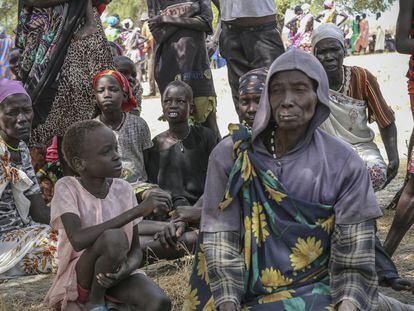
point(295, 59)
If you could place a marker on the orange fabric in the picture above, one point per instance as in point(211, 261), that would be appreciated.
point(364, 86)
point(130, 103)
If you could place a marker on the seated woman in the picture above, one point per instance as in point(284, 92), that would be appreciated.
point(27, 243)
point(97, 216)
point(278, 202)
point(354, 99)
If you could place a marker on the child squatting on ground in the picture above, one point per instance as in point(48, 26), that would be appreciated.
point(97, 216)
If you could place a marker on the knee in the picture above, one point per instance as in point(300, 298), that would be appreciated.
point(160, 303)
point(378, 175)
point(114, 244)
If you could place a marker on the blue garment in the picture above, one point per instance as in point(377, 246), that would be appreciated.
point(6, 44)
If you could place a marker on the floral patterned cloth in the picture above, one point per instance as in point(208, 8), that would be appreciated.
point(286, 242)
point(26, 247)
point(28, 251)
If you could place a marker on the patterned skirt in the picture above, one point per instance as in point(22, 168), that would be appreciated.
point(28, 251)
point(75, 99)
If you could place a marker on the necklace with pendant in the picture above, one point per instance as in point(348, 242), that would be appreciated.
point(180, 141)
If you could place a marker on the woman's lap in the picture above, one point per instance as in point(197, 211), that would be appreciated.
point(28, 251)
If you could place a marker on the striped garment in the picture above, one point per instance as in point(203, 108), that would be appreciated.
point(6, 45)
point(364, 86)
point(351, 267)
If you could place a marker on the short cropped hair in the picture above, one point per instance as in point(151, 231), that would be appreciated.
point(122, 59)
point(74, 139)
point(177, 83)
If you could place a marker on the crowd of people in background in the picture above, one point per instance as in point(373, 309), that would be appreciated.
point(279, 213)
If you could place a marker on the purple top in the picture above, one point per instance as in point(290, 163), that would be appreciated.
point(321, 169)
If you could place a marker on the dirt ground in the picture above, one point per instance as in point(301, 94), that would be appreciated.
point(28, 293)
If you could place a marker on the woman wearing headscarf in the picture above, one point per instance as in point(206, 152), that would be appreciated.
point(62, 47)
point(355, 99)
point(27, 243)
point(302, 38)
point(279, 208)
point(251, 86)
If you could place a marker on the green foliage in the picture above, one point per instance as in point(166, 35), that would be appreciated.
point(134, 8)
point(350, 6)
point(8, 14)
point(128, 9)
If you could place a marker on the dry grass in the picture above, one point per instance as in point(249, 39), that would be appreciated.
point(28, 293)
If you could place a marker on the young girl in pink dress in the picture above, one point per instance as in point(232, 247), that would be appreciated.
point(97, 216)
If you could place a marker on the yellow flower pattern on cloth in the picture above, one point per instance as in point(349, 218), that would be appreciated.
point(273, 278)
point(226, 201)
point(210, 305)
point(247, 241)
point(247, 168)
point(274, 194)
point(191, 300)
point(202, 265)
point(331, 308)
point(259, 224)
point(305, 252)
point(327, 224)
point(286, 294)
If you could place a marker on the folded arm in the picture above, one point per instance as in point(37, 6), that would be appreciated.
point(352, 266)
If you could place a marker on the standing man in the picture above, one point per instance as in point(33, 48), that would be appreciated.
point(149, 53)
point(248, 36)
point(179, 28)
point(404, 213)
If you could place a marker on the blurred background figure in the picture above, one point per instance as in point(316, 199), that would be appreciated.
point(149, 54)
point(6, 45)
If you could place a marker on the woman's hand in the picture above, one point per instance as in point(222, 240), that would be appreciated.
point(170, 235)
point(158, 199)
point(187, 213)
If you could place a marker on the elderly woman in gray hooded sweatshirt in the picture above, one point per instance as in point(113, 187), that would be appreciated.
point(284, 225)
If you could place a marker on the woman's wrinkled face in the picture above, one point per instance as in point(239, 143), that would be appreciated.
point(293, 99)
point(16, 116)
point(248, 105)
point(109, 94)
point(330, 54)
